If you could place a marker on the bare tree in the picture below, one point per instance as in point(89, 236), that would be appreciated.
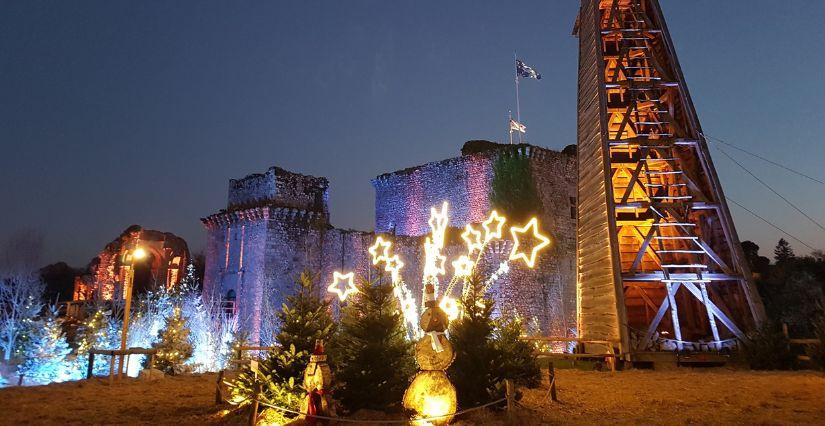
point(21, 289)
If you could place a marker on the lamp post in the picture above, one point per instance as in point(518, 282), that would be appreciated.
point(137, 254)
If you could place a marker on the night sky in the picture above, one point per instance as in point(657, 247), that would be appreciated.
point(114, 113)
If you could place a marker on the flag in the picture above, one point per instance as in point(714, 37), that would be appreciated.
point(515, 125)
point(522, 70)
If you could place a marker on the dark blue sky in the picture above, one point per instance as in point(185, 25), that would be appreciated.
point(116, 113)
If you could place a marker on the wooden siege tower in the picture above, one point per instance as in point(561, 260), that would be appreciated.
point(659, 263)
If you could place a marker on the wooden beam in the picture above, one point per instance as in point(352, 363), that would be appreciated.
point(716, 311)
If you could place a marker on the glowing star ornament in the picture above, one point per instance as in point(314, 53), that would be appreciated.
point(433, 260)
point(493, 226)
point(516, 231)
point(450, 306)
point(394, 265)
point(473, 239)
point(463, 266)
point(380, 250)
point(350, 285)
point(438, 224)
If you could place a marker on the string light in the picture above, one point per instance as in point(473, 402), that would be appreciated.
point(350, 285)
point(450, 306)
point(516, 231)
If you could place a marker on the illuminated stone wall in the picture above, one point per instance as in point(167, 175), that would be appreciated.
point(276, 225)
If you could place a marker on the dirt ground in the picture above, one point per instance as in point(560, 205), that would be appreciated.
point(683, 396)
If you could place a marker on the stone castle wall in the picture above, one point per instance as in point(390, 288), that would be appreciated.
point(277, 225)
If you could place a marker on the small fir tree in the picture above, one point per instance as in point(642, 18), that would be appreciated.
point(373, 359)
point(477, 360)
point(97, 331)
point(173, 345)
point(276, 389)
point(303, 319)
point(518, 363)
point(767, 348)
point(488, 351)
point(45, 351)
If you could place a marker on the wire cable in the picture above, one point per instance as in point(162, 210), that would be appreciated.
point(765, 184)
point(770, 223)
point(767, 160)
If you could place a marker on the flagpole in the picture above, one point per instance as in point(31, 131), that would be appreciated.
point(510, 124)
point(518, 103)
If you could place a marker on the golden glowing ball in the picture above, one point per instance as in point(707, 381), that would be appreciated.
point(428, 358)
point(431, 396)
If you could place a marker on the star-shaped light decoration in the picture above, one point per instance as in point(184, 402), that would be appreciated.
point(380, 250)
point(450, 307)
point(544, 242)
point(438, 224)
point(394, 265)
point(473, 239)
point(463, 266)
point(433, 260)
point(350, 285)
point(493, 225)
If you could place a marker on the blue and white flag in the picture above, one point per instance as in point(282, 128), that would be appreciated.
point(522, 70)
point(518, 127)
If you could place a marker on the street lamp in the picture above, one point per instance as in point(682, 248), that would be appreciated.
point(137, 254)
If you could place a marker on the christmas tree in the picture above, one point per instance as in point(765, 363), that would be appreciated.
point(372, 357)
point(45, 351)
point(97, 331)
point(303, 319)
point(173, 345)
point(477, 361)
point(275, 389)
point(487, 351)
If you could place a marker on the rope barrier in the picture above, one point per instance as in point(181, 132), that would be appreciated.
point(392, 421)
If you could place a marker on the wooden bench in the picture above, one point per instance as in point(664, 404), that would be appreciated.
point(112, 353)
point(609, 356)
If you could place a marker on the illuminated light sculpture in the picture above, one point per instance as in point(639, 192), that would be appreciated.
point(434, 261)
point(438, 223)
point(383, 246)
point(394, 266)
point(516, 231)
point(463, 266)
point(431, 394)
point(473, 239)
point(450, 307)
point(350, 285)
point(493, 226)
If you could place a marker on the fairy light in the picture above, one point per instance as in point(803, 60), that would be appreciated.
point(516, 231)
point(350, 285)
point(434, 261)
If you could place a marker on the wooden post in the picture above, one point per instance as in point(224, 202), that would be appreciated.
point(551, 374)
point(253, 415)
point(91, 368)
point(111, 367)
point(511, 397)
point(20, 381)
point(218, 396)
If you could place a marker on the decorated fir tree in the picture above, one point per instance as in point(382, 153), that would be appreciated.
point(173, 345)
point(45, 350)
point(518, 363)
point(487, 351)
point(477, 360)
point(97, 331)
point(275, 389)
point(303, 319)
point(372, 358)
